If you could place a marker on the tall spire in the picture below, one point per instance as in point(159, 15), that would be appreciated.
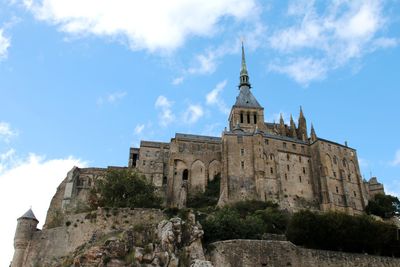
point(292, 127)
point(244, 75)
point(313, 134)
point(302, 131)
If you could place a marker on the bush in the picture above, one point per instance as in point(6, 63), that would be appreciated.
point(207, 199)
point(342, 232)
point(244, 220)
point(124, 189)
point(385, 206)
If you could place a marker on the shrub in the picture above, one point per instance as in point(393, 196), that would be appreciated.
point(342, 232)
point(124, 188)
point(209, 197)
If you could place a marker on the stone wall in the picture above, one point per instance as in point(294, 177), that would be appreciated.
point(253, 253)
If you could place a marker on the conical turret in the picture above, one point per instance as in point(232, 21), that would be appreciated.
point(282, 128)
point(313, 134)
point(292, 128)
point(302, 130)
point(26, 227)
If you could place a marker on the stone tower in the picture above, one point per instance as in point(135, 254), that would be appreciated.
point(26, 226)
point(246, 113)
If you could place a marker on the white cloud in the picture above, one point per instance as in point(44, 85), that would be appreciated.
point(4, 44)
point(139, 128)
point(302, 70)
point(151, 24)
point(166, 115)
point(205, 64)
point(30, 181)
point(321, 40)
point(193, 114)
point(178, 81)
point(213, 97)
point(111, 98)
point(396, 161)
point(6, 132)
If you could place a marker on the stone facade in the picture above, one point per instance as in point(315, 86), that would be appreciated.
point(249, 253)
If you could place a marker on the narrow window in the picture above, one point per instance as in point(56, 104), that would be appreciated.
point(302, 149)
point(284, 145)
point(300, 159)
point(288, 168)
point(241, 117)
point(144, 163)
point(248, 118)
point(241, 152)
point(335, 160)
point(300, 179)
point(286, 176)
point(185, 175)
point(334, 174)
point(272, 170)
point(266, 141)
point(287, 157)
point(337, 189)
point(355, 194)
point(242, 164)
point(304, 170)
point(271, 157)
point(294, 146)
point(164, 181)
point(255, 118)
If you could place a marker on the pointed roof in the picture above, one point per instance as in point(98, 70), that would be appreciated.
point(244, 75)
point(246, 99)
point(28, 215)
point(243, 70)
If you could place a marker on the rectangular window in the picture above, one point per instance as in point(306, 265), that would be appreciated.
point(294, 146)
point(300, 179)
point(272, 170)
point(144, 163)
point(355, 194)
point(334, 174)
point(266, 141)
point(303, 149)
point(241, 117)
point(288, 168)
point(248, 118)
point(286, 176)
point(241, 152)
point(304, 170)
point(300, 159)
point(284, 145)
point(337, 189)
point(242, 164)
point(255, 118)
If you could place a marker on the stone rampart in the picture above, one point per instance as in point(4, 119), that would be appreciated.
point(251, 253)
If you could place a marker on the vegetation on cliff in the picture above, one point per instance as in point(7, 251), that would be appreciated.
point(124, 189)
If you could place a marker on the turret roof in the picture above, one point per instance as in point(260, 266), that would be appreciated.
point(28, 215)
point(246, 99)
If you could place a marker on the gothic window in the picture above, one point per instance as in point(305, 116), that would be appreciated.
point(248, 118)
point(241, 117)
point(255, 118)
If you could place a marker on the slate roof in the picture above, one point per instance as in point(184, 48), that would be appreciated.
point(246, 99)
point(28, 215)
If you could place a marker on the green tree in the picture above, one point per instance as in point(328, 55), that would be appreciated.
point(385, 206)
point(124, 188)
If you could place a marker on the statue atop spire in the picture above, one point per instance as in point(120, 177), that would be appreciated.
point(244, 75)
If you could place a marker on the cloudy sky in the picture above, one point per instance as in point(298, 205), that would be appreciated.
point(83, 80)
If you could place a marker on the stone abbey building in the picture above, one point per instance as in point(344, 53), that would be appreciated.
point(258, 160)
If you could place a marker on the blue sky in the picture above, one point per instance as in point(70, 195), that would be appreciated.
point(82, 81)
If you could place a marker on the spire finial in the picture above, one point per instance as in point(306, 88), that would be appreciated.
point(301, 112)
point(244, 76)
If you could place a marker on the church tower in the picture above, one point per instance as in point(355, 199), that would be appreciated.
point(246, 113)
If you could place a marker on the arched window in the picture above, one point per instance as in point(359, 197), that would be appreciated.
point(255, 118)
point(241, 117)
point(185, 175)
point(248, 118)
